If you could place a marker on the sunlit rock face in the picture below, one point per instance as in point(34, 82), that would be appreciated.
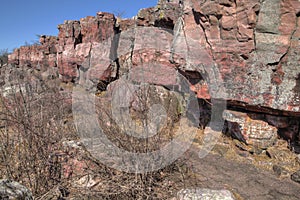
point(253, 46)
point(245, 52)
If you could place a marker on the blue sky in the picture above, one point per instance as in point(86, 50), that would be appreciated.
point(22, 20)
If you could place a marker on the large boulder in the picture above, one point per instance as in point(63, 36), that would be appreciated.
point(249, 129)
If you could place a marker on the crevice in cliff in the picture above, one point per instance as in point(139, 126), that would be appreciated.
point(257, 11)
point(244, 107)
point(114, 50)
point(132, 45)
point(78, 40)
point(114, 61)
point(197, 17)
point(226, 4)
point(289, 46)
point(286, 123)
point(193, 77)
point(164, 23)
point(245, 57)
point(276, 63)
point(113, 54)
point(267, 32)
point(89, 55)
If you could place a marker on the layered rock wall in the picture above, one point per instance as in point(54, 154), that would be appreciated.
point(69, 49)
point(254, 45)
point(243, 51)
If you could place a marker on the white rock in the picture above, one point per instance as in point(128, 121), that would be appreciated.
point(204, 194)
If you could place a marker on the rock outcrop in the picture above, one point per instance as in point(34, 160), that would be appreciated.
point(245, 52)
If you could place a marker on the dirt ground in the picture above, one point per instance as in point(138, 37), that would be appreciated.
point(245, 180)
point(215, 171)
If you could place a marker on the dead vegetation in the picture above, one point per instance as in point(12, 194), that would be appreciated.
point(3, 57)
point(33, 123)
point(39, 146)
point(40, 149)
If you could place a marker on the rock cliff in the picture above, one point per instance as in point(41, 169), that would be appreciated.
point(243, 51)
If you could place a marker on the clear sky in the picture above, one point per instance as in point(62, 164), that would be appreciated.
point(22, 20)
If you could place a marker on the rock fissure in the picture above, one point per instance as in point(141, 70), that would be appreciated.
point(289, 45)
point(197, 17)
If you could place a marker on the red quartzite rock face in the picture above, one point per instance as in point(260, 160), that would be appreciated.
point(70, 48)
point(246, 51)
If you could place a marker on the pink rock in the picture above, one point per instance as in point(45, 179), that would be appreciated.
point(253, 132)
point(249, 47)
point(67, 64)
point(100, 64)
point(228, 22)
point(201, 90)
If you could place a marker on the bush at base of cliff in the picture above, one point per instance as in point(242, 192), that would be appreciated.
point(33, 121)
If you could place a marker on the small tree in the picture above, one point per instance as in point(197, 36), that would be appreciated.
point(3, 57)
point(119, 14)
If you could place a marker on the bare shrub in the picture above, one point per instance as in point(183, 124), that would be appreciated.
point(33, 122)
point(3, 57)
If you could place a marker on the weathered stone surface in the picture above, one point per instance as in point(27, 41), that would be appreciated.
point(246, 57)
point(165, 14)
point(252, 131)
point(247, 52)
point(14, 190)
point(70, 48)
point(247, 182)
point(140, 108)
point(203, 194)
